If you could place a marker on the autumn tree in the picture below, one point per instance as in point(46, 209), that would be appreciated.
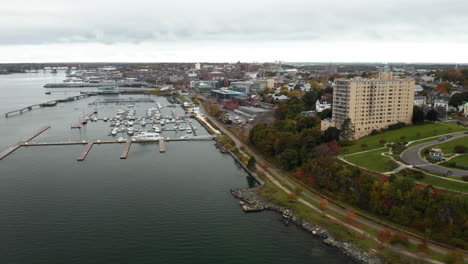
point(351, 216)
point(324, 204)
point(418, 115)
point(384, 236)
point(292, 197)
point(443, 87)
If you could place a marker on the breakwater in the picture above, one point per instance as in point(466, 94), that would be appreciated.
point(253, 202)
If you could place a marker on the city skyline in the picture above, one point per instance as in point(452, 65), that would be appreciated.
point(184, 31)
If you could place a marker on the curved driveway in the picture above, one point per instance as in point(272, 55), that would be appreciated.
point(411, 157)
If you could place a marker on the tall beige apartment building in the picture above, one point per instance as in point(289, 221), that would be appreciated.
point(372, 103)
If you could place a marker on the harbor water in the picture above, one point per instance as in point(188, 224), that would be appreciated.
point(152, 207)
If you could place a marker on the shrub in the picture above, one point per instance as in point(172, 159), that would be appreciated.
point(364, 145)
point(454, 257)
point(460, 149)
point(374, 132)
point(399, 238)
point(465, 178)
point(418, 134)
point(382, 141)
point(396, 126)
point(292, 197)
point(298, 190)
point(402, 137)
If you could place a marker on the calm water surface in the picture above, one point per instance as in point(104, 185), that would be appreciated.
point(172, 207)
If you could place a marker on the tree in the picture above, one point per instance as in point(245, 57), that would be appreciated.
point(310, 98)
point(384, 236)
point(444, 87)
point(292, 197)
point(432, 115)
point(418, 115)
point(284, 90)
point(326, 113)
point(347, 130)
point(458, 99)
point(330, 134)
point(289, 158)
point(351, 216)
point(324, 204)
point(251, 164)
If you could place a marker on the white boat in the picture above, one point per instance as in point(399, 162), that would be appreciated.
point(121, 139)
point(129, 106)
point(189, 130)
point(156, 129)
point(130, 123)
point(143, 122)
point(159, 105)
point(105, 119)
point(114, 132)
point(130, 132)
point(162, 122)
point(147, 135)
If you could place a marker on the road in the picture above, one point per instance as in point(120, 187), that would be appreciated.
point(411, 156)
point(278, 174)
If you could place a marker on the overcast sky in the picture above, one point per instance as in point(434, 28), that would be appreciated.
point(229, 31)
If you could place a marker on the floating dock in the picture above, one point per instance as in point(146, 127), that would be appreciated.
point(85, 151)
point(126, 149)
point(82, 121)
point(162, 146)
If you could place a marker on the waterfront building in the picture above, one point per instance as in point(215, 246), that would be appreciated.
point(373, 103)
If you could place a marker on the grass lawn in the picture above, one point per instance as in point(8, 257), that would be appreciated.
point(462, 159)
point(373, 160)
point(448, 147)
point(446, 184)
point(409, 133)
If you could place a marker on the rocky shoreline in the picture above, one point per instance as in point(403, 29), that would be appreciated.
point(252, 202)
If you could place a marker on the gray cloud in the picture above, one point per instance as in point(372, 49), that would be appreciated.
point(140, 21)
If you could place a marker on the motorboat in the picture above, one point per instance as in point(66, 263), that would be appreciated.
point(114, 132)
point(189, 130)
point(105, 119)
point(143, 122)
point(157, 129)
point(130, 123)
point(147, 136)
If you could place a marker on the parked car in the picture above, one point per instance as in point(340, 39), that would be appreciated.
point(441, 138)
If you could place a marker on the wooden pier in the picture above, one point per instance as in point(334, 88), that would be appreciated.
point(126, 149)
point(11, 149)
point(83, 121)
point(40, 131)
point(49, 103)
point(85, 151)
point(162, 146)
point(193, 129)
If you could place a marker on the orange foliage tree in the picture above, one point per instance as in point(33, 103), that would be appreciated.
point(384, 236)
point(443, 87)
point(324, 204)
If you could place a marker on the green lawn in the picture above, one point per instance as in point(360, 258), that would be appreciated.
point(373, 160)
point(446, 184)
point(410, 133)
point(448, 147)
point(462, 159)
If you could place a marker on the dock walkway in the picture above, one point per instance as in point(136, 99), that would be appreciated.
point(85, 151)
point(126, 149)
point(162, 146)
point(12, 149)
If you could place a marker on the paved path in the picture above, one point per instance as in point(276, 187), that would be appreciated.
point(412, 157)
point(278, 174)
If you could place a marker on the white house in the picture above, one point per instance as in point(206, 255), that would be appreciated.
point(321, 105)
